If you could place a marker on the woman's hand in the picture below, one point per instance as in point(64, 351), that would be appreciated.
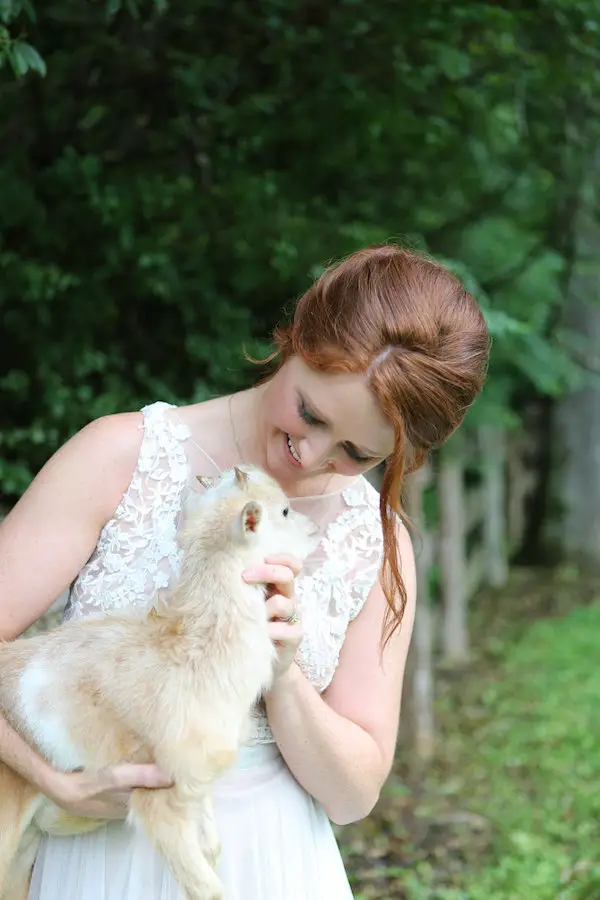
point(104, 794)
point(285, 628)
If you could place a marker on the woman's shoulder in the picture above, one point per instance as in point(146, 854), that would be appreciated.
point(131, 440)
point(122, 430)
point(121, 435)
point(61, 515)
point(118, 439)
point(115, 439)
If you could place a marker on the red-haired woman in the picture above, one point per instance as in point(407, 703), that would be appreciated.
point(385, 354)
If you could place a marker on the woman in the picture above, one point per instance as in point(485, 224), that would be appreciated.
point(385, 354)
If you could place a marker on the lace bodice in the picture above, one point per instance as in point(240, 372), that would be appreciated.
point(137, 552)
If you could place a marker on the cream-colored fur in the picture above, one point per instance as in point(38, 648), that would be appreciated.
point(176, 688)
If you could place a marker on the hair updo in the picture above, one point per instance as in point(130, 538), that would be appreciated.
point(409, 325)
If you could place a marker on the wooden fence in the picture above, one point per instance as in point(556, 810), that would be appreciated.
point(478, 488)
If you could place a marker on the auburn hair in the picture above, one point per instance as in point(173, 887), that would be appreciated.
point(408, 324)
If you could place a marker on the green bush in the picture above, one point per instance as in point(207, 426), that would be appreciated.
point(179, 176)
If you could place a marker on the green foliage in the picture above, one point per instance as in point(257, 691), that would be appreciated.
point(19, 54)
point(179, 176)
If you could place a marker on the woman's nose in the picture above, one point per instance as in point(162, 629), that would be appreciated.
point(315, 451)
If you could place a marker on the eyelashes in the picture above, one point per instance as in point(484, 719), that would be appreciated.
point(356, 456)
point(306, 416)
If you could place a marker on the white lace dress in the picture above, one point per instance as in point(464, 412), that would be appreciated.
point(277, 842)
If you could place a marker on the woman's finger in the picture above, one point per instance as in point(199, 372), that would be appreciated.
point(280, 607)
point(128, 775)
point(291, 562)
point(285, 633)
point(268, 574)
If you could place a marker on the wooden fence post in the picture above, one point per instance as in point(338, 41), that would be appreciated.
point(492, 443)
point(419, 688)
point(520, 481)
point(452, 555)
point(470, 543)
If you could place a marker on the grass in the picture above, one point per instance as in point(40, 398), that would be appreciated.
point(535, 766)
point(510, 810)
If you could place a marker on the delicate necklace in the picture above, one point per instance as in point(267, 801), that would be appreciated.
point(320, 496)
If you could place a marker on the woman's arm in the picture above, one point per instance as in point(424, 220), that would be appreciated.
point(19, 756)
point(340, 746)
point(44, 542)
point(52, 531)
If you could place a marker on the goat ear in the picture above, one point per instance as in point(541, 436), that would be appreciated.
point(205, 481)
point(251, 517)
point(240, 476)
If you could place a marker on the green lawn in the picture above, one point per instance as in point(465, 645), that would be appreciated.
point(536, 766)
point(511, 809)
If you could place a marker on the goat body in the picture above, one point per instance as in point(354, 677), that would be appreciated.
point(176, 688)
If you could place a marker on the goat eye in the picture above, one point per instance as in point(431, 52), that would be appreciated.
point(286, 512)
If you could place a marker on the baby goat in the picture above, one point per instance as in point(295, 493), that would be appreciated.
point(176, 688)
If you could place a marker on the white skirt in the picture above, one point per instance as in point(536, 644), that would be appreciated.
point(277, 844)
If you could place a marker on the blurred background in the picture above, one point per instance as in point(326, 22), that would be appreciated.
point(174, 174)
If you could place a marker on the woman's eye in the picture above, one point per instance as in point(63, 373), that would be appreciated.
point(356, 457)
point(306, 415)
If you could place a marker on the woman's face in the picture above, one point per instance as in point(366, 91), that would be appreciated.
point(318, 422)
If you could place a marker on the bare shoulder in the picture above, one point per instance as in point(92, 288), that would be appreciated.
point(52, 531)
point(97, 462)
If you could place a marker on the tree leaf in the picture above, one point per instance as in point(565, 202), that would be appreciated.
point(113, 7)
point(24, 58)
